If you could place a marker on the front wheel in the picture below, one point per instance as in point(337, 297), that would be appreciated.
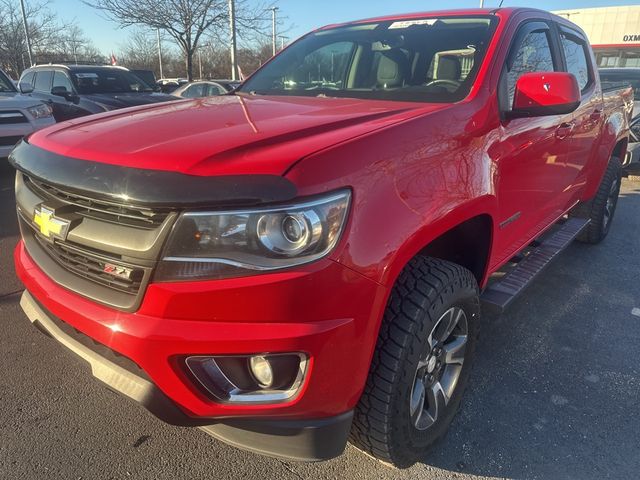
point(601, 208)
point(421, 363)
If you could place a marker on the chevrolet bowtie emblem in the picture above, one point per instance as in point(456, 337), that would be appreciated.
point(48, 224)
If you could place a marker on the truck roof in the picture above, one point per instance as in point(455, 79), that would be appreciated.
point(508, 11)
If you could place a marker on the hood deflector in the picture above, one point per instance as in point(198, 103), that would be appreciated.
point(153, 188)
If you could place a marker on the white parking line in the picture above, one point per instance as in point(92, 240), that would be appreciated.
point(636, 312)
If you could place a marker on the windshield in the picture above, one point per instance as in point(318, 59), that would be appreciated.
point(108, 81)
point(6, 85)
point(422, 60)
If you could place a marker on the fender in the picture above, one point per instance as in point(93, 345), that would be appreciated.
point(484, 205)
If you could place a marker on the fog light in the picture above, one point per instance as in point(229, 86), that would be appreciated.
point(261, 371)
point(260, 379)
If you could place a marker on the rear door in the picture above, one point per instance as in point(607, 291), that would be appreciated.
point(588, 117)
point(532, 171)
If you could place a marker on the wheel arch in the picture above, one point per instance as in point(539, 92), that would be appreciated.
point(464, 237)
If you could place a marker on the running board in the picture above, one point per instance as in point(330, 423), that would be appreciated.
point(498, 295)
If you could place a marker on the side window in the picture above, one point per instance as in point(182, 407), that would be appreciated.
point(194, 91)
point(43, 81)
point(28, 78)
point(61, 80)
point(532, 54)
point(576, 57)
point(213, 90)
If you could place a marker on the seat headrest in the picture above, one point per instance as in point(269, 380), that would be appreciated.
point(449, 68)
point(393, 69)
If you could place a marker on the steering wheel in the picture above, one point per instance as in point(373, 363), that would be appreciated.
point(444, 82)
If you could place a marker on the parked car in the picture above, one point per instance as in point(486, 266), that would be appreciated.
point(204, 88)
point(77, 90)
point(303, 261)
point(19, 115)
point(169, 85)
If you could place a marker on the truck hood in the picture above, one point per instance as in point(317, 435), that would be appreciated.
point(16, 101)
point(226, 135)
point(123, 100)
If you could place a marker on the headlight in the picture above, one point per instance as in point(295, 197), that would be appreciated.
point(40, 111)
point(226, 244)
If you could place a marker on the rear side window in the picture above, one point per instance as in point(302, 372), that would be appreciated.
point(533, 54)
point(61, 80)
point(43, 81)
point(576, 57)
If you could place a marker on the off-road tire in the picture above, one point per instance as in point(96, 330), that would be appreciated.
point(424, 291)
point(596, 208)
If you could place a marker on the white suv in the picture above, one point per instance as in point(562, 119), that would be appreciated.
point(19, 115)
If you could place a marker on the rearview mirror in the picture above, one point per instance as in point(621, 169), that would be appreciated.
point(545, 93)
point(25, 87)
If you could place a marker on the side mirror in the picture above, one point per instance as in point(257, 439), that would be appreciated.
point(25, 87)
point(61, 91)
point(545, 93)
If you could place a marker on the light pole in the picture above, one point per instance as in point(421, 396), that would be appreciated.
point(273, 28)
point(26, 32)
point(159, 52)
point(282, 40)
point(234, 47)
point(481, 3)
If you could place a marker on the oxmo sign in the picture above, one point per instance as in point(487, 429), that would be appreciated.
point(631, 38)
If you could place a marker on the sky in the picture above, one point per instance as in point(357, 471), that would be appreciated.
point(304, 15)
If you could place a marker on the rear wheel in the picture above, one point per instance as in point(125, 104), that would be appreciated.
point(421, 363)
point(601, 208)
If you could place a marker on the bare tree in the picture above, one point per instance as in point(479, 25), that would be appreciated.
point(45, 30)
point(184, 20)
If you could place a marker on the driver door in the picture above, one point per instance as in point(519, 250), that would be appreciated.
point(532, 177)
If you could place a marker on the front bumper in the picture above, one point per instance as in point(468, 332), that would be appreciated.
point(323, 309)
point(307, 440)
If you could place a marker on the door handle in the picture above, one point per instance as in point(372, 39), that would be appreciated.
point(564, 130)
point(595, 115)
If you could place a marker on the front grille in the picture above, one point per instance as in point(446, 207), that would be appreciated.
point(104, 210)
point(12, 116)
point(10, 141)
point(92, 267)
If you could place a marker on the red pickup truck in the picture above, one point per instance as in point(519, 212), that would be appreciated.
point(303, 261)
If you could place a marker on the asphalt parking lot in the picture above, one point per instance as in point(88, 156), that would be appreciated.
point(554, 392)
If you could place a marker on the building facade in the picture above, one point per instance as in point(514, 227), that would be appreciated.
point(614, 33)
